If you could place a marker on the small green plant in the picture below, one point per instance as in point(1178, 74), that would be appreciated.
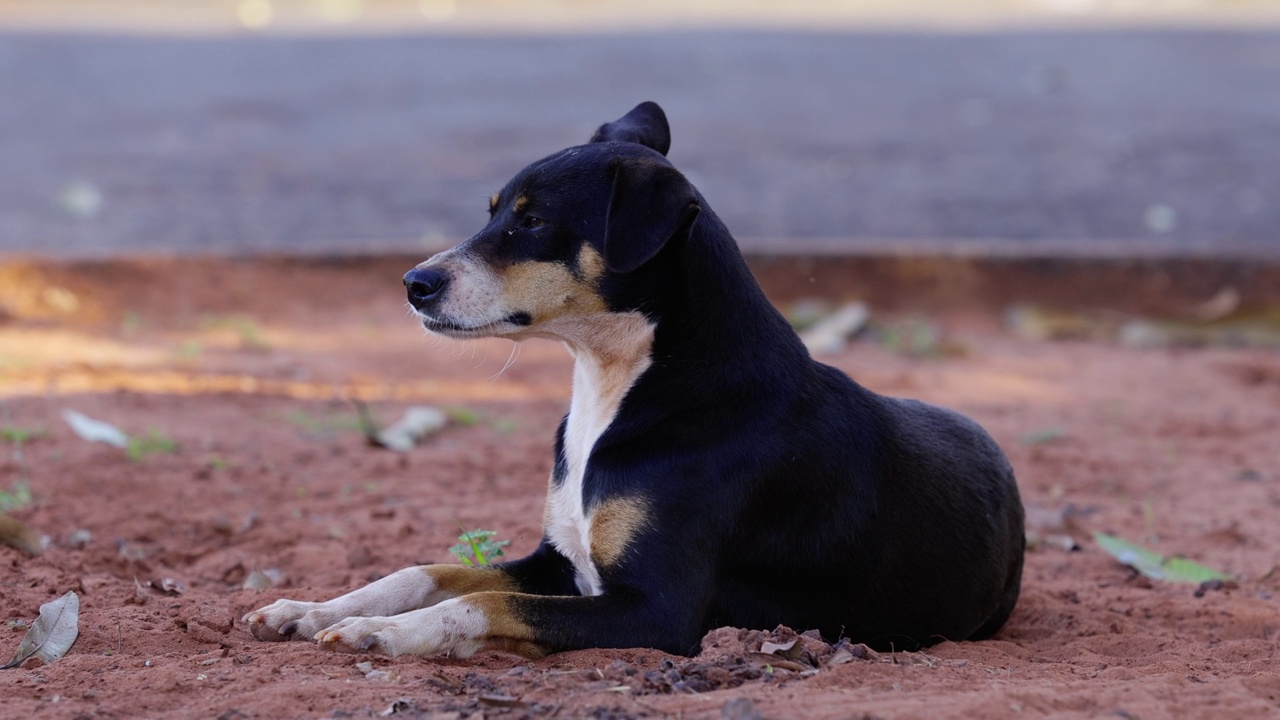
point(217, 463)
point(477, 547)
point(463, 416)
point(17, 496)
point(18, 435)
point(919, 338)
point(153, 443)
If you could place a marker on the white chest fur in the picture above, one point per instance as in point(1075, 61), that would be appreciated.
point(608, 359)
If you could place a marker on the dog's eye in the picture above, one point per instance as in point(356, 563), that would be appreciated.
point(532, 222)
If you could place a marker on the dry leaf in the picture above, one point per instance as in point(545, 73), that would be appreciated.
point(95, 430)
point(258, 580)
point(782, 649)
point(1154, 565)
point(52, 634)
point(1225, 302)
point(418, 422)
point(169, 586)
point(829, 335)
point(16, 534)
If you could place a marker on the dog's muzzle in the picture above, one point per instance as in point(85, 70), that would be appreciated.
point(425, 287)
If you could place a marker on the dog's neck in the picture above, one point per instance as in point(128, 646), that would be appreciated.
point(611, 351)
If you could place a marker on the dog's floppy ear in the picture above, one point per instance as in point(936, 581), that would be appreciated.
point(650, 204)
point(645, 125)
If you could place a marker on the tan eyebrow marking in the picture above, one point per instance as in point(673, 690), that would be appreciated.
point(493, 203)
point(521, 203)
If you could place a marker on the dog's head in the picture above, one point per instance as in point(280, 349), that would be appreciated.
point(568, 238)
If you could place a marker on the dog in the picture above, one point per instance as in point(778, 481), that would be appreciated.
point(709, 472)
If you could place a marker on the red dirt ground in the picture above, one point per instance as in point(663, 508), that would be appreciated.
point(252, 371)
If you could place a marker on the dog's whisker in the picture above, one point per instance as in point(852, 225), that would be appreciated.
point(511, 360)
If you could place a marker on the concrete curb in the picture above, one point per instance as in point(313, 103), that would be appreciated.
point(957, 277)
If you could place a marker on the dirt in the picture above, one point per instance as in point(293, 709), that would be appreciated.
point(253, 374)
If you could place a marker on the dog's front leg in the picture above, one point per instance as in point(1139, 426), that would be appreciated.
point(529, 625)
point(399, 592)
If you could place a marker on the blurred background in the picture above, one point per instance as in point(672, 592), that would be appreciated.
point(322, 126)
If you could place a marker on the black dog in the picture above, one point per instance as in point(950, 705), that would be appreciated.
point(709, 472)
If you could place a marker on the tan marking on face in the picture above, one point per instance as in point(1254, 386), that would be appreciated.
point(614, 524)
point(521, 203)
point(506, 631)
point(493, 203)
point(455, 580)
point(548, 290)
point(590, 264)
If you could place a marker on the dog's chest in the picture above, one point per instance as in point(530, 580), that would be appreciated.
point(598, 390)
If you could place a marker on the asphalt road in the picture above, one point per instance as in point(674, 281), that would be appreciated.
point(118, 144)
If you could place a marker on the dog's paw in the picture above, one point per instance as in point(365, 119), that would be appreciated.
point(452, 627)
point(290, 619)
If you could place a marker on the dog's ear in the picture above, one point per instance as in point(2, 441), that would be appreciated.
point(645, 125)
point(651, 203)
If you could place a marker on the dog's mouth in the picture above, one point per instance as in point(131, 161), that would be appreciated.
point(449, 328)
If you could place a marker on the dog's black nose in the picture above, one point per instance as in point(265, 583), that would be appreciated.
point(424, 285)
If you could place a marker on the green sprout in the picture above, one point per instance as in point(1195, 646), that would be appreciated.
point(17, 496)
point(153, 443)
point(477, 547)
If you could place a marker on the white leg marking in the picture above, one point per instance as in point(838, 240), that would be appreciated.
point(403, 590)
point(454, 627)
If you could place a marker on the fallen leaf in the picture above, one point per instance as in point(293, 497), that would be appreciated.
point(169, 586)
point(258, 580)
point(829, 335)
point(15, 534)
point(418, 422)
point(1225, 302)
point(95, 430)
point(782, 649)
point(1154, 565)
point(52, 634)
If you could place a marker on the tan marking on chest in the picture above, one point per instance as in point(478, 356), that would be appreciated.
point(614, 525)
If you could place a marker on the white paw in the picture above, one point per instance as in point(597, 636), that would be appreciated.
point(453, 627)
point(290, 619)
